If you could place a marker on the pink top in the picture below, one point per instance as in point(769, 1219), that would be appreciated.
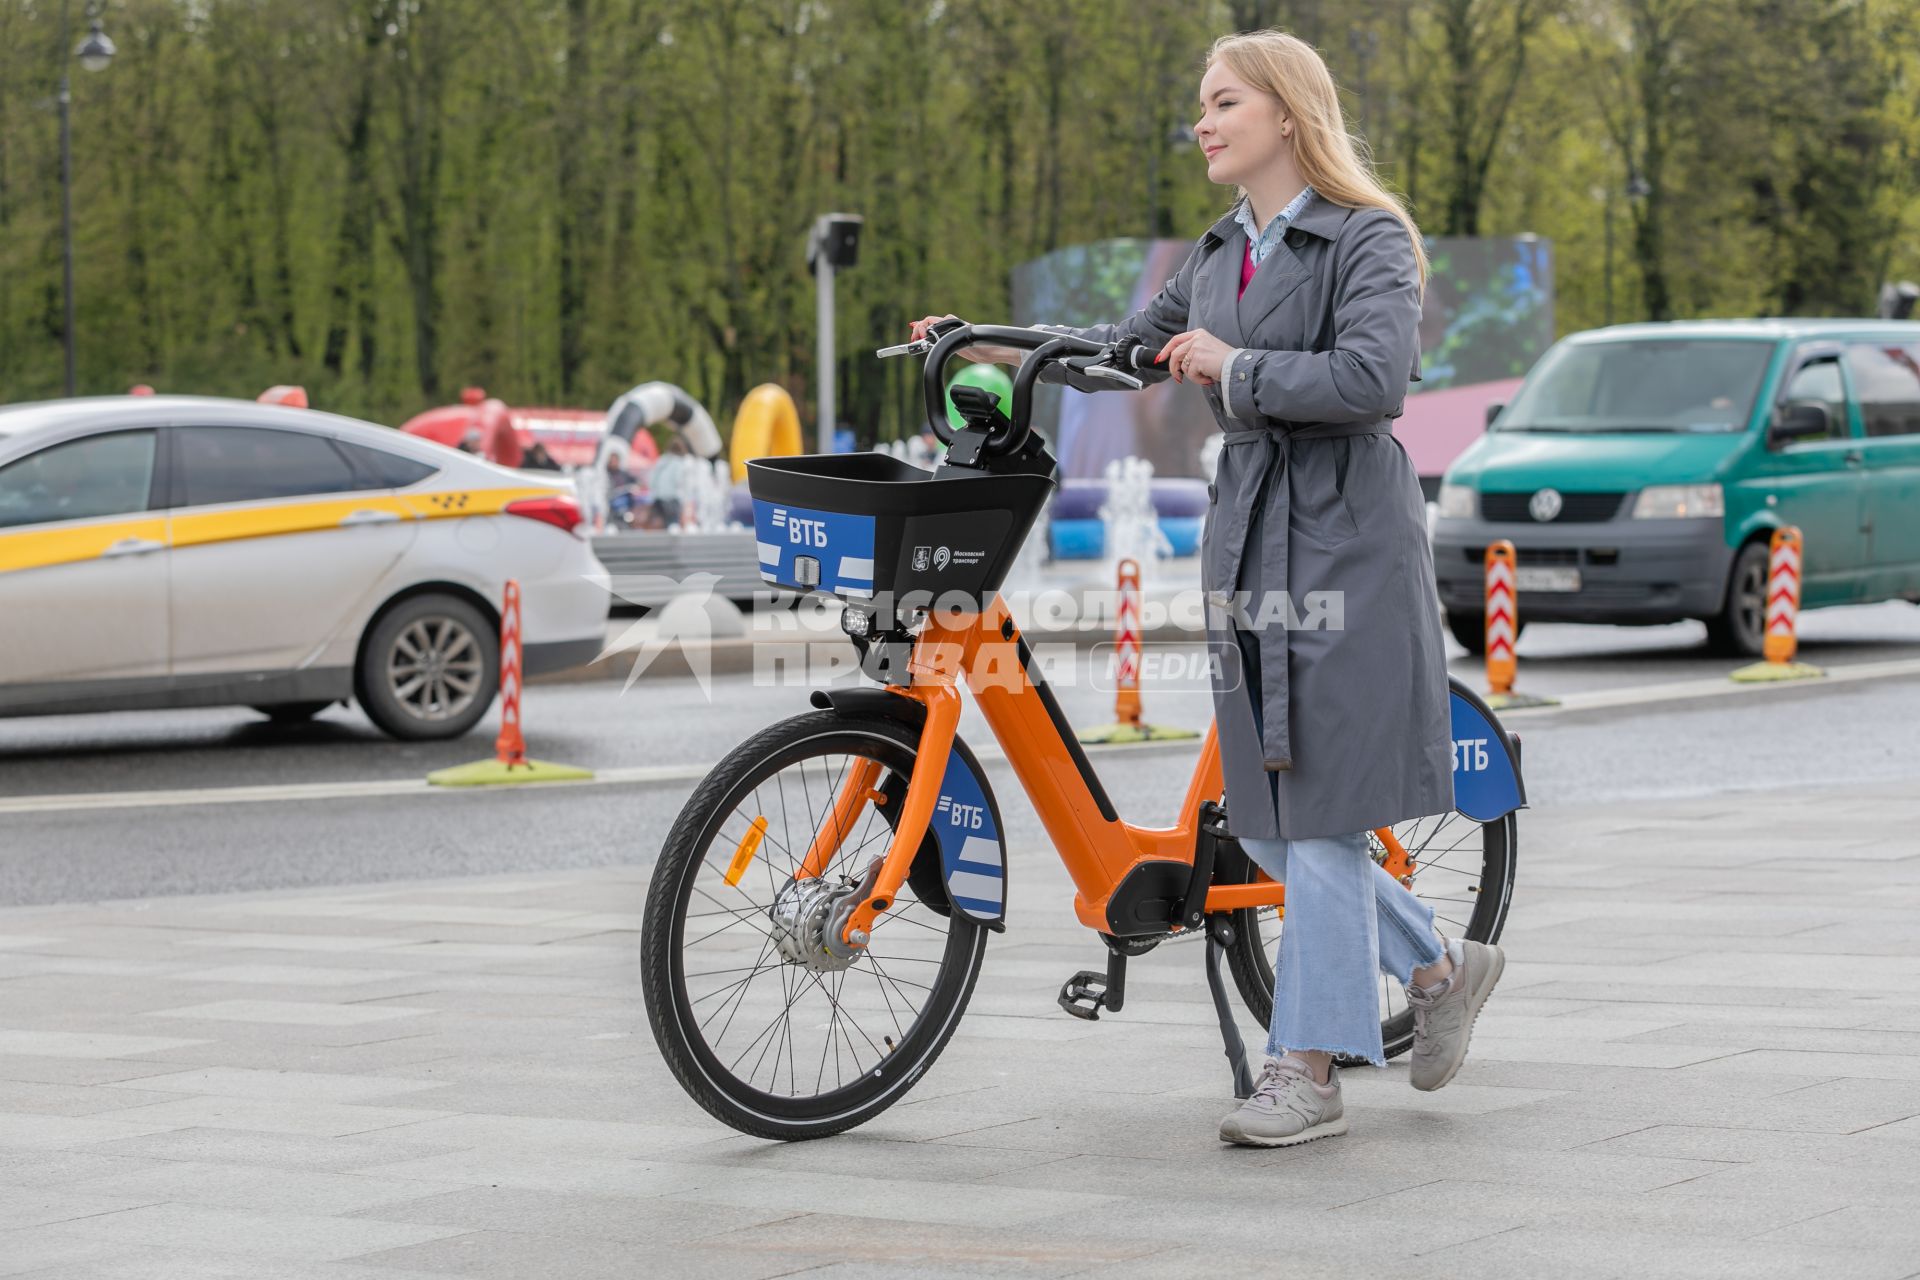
point(1247, 269)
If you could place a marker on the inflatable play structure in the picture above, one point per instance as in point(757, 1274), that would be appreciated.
point(766, 426)
point(504, 434)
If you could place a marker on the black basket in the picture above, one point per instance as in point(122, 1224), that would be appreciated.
point(865, 524)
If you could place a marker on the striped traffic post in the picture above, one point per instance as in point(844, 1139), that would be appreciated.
point(1127, 725)
point(1126, 646)
point(509, 763)
point(1503, 617)
point(1779, 638)
point(1783, 596)
point(1503, 629)
point(510, 748)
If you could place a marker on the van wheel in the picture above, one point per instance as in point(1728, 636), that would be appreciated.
point(429, 668)
point(1739, 629)
point(1470, 629)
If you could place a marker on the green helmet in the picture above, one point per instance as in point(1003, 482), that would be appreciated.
point(990, 376)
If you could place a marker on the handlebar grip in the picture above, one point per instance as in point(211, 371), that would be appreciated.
point(1140, 357)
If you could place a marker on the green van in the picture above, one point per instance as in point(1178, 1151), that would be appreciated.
point(1641, 469)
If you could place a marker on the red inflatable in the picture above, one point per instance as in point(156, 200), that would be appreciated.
point(501, 433)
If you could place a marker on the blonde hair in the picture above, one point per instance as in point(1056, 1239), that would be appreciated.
point(1336, 163)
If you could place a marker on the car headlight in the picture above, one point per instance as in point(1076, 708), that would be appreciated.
point(1456, 502)
point(1679, 502)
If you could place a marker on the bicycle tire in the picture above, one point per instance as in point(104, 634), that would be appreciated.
point(713, 1084)
point(1250, 958)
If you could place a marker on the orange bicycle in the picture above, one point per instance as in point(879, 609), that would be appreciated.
point(820, 910)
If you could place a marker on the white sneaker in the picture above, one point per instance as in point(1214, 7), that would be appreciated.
point(1287, 1107)
point(1443, 1018)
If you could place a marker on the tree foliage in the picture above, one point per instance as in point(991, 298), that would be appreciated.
point(388, 199)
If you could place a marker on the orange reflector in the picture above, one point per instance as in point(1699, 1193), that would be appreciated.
point(744, 854)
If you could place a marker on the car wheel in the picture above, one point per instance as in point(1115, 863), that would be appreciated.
point(292, 712)
point(429, 669)
point(1740, 628)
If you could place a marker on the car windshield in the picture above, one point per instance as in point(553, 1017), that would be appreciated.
point(1651, 384)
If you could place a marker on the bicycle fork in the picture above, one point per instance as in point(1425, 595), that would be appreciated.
point(861, 787)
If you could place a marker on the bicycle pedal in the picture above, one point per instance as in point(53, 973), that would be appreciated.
point(1084, 994)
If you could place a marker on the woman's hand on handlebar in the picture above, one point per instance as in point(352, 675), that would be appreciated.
point(1195, 356)
point(979, 355)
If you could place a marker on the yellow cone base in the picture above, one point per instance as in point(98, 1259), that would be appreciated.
point(1109, 733)
point(1761, 672)
point(1512, 701)
point(492, 773)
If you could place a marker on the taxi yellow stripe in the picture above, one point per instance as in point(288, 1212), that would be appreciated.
point(40, 548)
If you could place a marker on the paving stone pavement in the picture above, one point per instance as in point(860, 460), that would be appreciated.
point(1704, 1060)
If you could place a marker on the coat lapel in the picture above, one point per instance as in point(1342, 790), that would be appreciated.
point(1217, 283)
point(1275, 278)
point(1282, 272)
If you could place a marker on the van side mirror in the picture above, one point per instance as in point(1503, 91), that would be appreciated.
point(1800, 420)
point(1493, 410)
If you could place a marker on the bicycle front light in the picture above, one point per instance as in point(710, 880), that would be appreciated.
point(1680, 502)
point(856, 622)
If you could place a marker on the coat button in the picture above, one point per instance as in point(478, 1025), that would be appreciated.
point(1296, 238)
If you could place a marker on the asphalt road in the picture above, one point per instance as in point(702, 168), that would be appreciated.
point(212, 835)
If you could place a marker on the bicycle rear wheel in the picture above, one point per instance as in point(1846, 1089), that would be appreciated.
point(1463, 869)
point(776, 1046)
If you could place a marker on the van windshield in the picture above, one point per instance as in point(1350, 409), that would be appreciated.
point(1653, 384)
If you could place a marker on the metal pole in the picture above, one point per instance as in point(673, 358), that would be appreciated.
point(66, 219)
point(823, 279)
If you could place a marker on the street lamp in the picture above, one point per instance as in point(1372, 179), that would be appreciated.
point(835, 242)
point(94, 53)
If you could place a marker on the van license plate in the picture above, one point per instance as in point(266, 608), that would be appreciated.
point(1546, 579)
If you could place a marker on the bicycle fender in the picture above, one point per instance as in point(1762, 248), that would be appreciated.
point(973, 852)
point(965, 829)
point(1487, 783)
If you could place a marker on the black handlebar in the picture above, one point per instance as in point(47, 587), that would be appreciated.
point(1046, 345)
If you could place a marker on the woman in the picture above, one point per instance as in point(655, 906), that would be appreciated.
point(1298, 313)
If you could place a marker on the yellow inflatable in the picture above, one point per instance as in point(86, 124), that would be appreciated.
point(767, 426)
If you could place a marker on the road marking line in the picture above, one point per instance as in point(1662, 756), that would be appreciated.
point(1716, 687)
point(643, 775)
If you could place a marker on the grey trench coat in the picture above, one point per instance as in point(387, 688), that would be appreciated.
point(1332, 708)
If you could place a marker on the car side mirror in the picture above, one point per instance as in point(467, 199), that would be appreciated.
point(1800, 420)
point(1493, 410)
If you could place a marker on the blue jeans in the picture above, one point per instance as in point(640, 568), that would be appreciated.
point(1345, 917)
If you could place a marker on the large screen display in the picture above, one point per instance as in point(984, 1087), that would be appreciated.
point(1487, 316)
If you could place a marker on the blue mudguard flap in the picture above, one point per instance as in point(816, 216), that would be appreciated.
point(841, 545)
point(973, 858)
point(1486, 774)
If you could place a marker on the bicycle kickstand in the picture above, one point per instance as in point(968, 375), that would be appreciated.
point(1219, 938)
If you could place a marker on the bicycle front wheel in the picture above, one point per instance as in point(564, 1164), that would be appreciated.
point(1463, 869)
point(761, 1029)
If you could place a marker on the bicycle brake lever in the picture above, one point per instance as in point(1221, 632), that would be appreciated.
point(920, 347)
point(1112, 374)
